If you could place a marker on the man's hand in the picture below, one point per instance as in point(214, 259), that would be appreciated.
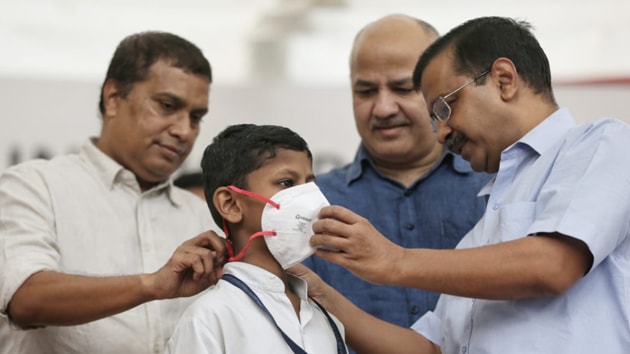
point(194, 266)
point(53, 298)
point(316, 286)
point(350, 241)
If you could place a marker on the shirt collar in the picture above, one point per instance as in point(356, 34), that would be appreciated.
point(111, 172)
point(363, 158)
point(539, 139)
point(258, 278)
point(547, 133)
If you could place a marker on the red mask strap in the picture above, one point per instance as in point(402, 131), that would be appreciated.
point(253, 236)
point(254, 195)
point(249, 242)
point(228, 241)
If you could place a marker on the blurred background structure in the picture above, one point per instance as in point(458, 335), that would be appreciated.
point(274, 61)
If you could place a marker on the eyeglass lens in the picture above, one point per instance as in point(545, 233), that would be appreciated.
point(441, 109)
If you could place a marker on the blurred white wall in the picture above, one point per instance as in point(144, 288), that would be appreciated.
point(274, 61)
point(52, 117)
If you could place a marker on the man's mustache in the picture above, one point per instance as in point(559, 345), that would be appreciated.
point(455, 142)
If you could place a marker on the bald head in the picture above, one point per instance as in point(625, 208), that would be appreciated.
point(392, 35)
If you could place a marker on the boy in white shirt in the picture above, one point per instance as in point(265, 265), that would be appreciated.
point(259, 186)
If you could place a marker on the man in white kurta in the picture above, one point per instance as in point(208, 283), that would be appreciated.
point(85, 214)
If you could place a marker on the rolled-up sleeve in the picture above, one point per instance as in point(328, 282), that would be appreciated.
point(430, 326)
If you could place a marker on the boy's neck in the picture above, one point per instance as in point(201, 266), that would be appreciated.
point(269, 264)
point(272, 266)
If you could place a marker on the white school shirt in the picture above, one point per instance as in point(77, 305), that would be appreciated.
point(563, 178)
point(225, 320)
point(85, 214)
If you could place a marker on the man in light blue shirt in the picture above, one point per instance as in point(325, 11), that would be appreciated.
point(547, 268)
point(402, 179)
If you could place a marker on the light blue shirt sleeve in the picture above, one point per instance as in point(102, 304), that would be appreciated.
point(583, 196)
point(429, 326)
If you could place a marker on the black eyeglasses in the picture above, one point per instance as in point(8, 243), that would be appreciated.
point(441, 110)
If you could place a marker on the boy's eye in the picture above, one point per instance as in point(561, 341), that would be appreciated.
point(287, 183)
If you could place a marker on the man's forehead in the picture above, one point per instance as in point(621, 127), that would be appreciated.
point(438, 68)
point(387, 50)
point(434, 77)
point(399, 78)
point(384, 65)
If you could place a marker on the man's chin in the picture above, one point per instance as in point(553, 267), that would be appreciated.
point(477, 168)
point(478, 165)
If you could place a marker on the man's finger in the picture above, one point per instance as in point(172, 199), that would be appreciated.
point(210, 239)
point(339, 213)
point(299, 270)
point(329, 242)
point(336, 257)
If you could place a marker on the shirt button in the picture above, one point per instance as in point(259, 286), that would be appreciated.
point(407, 193)
point(495, 206)
point(415, 310)
point(464, 349)
point(411, 226)
point(157, 348)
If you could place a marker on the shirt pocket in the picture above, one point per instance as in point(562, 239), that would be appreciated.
point(515, 220)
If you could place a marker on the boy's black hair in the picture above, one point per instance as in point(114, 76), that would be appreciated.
point(240, 149)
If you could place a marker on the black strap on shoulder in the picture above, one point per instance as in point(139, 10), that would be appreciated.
point(341, 349)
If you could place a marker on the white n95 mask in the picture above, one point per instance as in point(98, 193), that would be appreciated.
point(292, 222)
point(287, 222)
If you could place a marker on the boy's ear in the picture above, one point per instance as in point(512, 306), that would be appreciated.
point(227, 205)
